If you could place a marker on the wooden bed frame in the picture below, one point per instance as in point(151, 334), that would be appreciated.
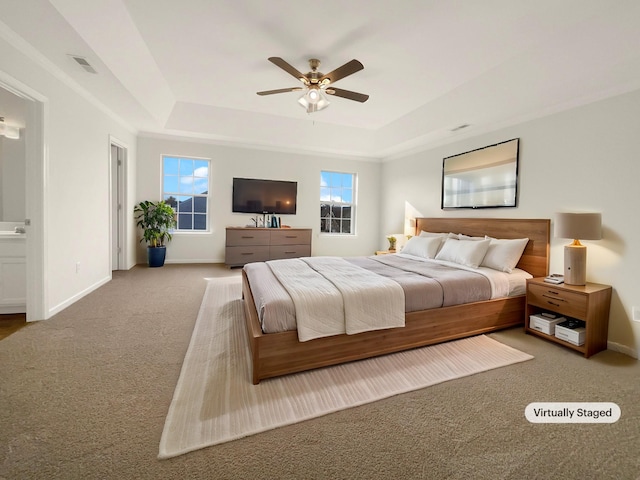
point(276, 354)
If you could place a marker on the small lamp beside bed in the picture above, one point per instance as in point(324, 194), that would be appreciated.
point(578, 226)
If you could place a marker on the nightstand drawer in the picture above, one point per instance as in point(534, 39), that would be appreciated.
point(561, 301)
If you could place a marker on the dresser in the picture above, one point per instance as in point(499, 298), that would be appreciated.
point(246, 244)
point(589, 303)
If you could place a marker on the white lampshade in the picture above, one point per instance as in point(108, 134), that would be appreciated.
point(579, 226)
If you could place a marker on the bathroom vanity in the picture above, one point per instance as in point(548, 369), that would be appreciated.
point(13, 272)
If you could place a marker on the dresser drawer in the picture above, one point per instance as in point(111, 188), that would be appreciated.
point(560, 301)
point(247, 236)
point(289, 251)
point(241, 255)
point(290, 237)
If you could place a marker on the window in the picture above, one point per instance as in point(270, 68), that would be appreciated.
point(185, 186)
point(337, 204)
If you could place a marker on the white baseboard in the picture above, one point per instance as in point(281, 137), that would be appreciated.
point(617, 347)
point(78, 296)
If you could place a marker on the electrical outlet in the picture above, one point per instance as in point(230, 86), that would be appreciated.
point(635, 312)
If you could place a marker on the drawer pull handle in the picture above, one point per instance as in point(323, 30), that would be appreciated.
point(289, 253)
point(246, 236)
point(247, 253)
point(554, 304)
point(554, 298)
point(291, 236)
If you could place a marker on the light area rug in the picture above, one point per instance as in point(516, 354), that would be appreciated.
point(215, 402)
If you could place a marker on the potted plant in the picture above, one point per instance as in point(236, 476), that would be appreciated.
point(392, 243)
point(156, 219)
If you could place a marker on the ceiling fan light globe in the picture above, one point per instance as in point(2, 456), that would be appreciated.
point(313, 96)
point(322, 103)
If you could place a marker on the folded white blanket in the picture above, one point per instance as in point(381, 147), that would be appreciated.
point(318, 303)
point(333, 296)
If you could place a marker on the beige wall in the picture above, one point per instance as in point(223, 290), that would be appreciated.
point(77, 182)
point(584, 159)
point(229, 162)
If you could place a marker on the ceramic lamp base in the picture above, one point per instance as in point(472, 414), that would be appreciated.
point(575, 264)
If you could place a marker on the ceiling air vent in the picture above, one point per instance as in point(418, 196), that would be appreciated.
point(83, 63)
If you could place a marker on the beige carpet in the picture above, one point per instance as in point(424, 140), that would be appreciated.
point(215, 402)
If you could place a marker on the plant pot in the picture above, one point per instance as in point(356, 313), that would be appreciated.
point(156, 256)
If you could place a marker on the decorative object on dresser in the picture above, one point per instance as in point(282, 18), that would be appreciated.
point(579, 226)
point(245, 245)
point(587, 303)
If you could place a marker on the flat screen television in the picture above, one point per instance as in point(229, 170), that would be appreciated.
point(252, 195)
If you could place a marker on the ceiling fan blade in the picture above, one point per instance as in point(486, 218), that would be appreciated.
point(289, 69)
point(348, 94)
point(345, 70)
point(280, 90)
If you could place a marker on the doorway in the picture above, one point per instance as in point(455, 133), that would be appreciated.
point(35, 106)
point(118, 159)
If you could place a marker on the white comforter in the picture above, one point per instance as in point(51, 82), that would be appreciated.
point(332, 297)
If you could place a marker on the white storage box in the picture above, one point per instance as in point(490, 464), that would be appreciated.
point(573, 335)
point(545, 323)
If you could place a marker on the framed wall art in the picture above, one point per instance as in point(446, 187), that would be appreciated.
point(482, 178)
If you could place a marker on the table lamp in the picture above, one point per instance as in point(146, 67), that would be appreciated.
point(579, 226)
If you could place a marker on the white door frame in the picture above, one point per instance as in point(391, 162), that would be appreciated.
point(37, 163)
point(117, 203)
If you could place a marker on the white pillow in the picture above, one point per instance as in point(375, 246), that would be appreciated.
point(441, 236)
point(504, 254)
point(426, 247)
point(464, 252)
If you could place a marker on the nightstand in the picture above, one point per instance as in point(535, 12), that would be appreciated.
point(589, 303)
point(384, 252)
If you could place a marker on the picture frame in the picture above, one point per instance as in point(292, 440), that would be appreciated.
point(483, 178)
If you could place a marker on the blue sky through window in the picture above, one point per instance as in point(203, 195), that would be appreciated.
point(186, 188)
point(336, 202)
point(336, 187)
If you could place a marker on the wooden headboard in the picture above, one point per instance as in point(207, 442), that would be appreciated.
point(535, 258)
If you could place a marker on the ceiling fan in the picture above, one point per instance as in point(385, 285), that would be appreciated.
point(317, 84)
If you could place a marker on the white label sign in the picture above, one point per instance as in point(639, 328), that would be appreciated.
point(572, 412)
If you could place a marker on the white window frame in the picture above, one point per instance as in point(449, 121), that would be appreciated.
point(332, 203)
point(207, 196)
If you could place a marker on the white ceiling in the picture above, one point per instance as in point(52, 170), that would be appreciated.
point(193, 67)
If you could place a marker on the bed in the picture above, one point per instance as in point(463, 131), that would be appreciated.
point(281, 353)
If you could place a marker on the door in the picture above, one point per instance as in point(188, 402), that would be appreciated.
point(118, 158)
